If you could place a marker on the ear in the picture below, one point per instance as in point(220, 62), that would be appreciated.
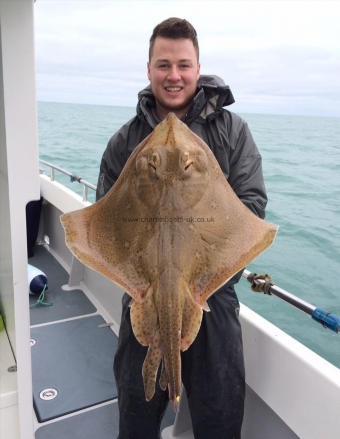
point(198, 70)
point(148, 66)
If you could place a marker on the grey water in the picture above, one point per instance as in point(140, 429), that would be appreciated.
point(301, 164)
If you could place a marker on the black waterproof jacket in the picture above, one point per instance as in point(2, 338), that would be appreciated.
point(226, 133)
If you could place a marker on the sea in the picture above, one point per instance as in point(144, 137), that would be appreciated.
point(301, 165)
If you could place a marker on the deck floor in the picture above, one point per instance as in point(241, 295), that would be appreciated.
point(77, 362)
point(101, 423)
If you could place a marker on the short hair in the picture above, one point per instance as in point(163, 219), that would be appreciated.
point(174, 28)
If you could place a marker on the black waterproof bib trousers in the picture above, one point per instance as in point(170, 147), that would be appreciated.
point(212, 374)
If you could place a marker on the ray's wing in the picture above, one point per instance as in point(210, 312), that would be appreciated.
point(109, 236)
point(232, 239)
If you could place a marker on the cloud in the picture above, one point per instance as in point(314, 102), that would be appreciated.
point(271, 53)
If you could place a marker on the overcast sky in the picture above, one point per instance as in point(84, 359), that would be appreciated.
point(277, 56)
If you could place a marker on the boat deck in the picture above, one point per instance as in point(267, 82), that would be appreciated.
point(73, 347)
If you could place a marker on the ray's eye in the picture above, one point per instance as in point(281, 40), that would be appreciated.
point(186, 161)
point(187, 164)
point(154, 161)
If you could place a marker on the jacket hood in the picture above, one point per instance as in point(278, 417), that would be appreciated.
point(212, 95)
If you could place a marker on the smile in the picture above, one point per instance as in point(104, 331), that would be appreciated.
point(173, 89)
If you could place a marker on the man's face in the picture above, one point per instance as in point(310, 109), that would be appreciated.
point(173, 71)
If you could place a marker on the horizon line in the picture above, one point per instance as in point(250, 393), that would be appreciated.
point(237, 112)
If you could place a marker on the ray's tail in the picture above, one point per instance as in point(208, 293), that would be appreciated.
point(170, 332)
point(172, 364)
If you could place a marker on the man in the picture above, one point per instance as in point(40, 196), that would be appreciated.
point(212, 368)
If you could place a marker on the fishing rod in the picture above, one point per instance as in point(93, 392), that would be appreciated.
point(263, 283)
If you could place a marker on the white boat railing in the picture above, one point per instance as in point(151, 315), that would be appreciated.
point(86, 185)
